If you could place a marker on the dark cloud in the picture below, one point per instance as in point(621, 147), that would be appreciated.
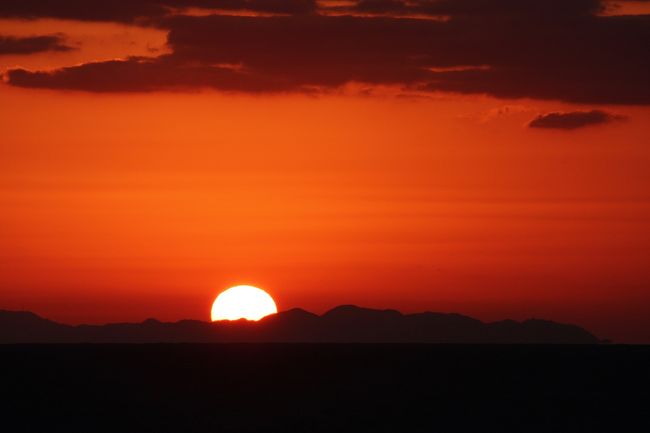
point(273, 53)
point(545, 49)
point(123, 11)
point(289, 7)
point(572, 120)
point(147, 75)
point(310, 50)
point(133, 10)
point(118, 11)
point(140, 10)
point(485, 8)
point(32, 44)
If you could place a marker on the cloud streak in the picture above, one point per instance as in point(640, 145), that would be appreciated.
point(572, 120)
point(12, 45)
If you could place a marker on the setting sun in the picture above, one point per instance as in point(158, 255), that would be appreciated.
point(243, 302)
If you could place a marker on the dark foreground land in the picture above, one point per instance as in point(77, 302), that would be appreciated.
point(324, 388)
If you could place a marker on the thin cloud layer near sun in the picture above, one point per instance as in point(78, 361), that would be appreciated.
point(542, 49)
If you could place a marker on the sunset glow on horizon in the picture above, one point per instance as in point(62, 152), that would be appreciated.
point(391, 158)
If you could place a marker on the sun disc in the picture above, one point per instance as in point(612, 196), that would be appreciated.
point(243, 302)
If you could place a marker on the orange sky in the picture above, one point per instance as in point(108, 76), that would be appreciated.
point(123, 206)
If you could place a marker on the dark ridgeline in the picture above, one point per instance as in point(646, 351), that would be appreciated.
point(343, 324)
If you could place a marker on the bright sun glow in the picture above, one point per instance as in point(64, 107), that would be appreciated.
point(243, 302)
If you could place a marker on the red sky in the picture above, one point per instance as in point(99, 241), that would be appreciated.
point(324, 172)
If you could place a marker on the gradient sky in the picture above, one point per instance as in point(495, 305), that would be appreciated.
point(483, 157)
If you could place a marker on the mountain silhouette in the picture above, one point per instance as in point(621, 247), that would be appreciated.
point(343, 324)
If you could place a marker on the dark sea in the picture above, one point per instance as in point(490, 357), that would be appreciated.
point(184, 388)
